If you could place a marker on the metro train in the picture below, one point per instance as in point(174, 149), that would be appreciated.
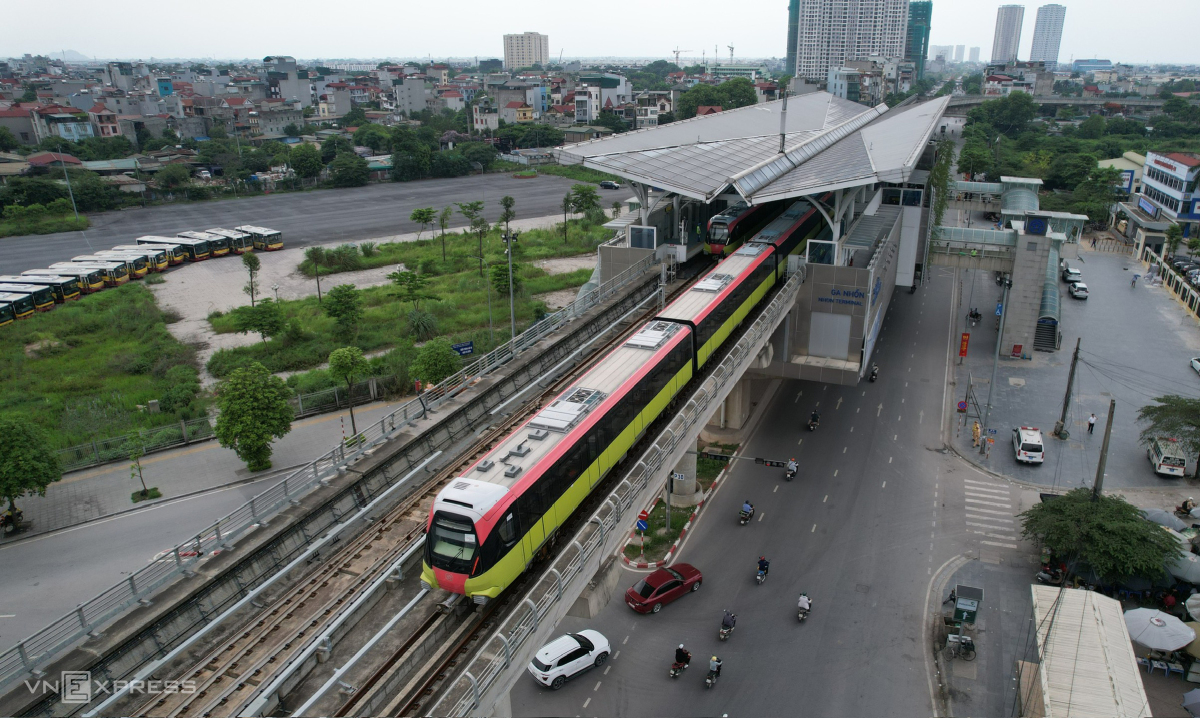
point(737, 223)
point(488, 524)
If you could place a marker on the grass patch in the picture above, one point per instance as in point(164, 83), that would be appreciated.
point(578, 173)
point(42, 225)
point(658, 541)
point(155, 279)
point(80, 371)
point(151, 493)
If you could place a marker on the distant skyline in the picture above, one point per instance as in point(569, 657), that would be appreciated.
point(757, 29)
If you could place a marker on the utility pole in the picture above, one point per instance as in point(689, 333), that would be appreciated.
point(509, 240)
point(987, 408)
point(67, 177)
point(1098, 487)
point(1060, 429)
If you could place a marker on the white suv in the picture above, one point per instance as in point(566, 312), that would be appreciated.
point(1027, 444)
point(567, 656)
point(1078, 290)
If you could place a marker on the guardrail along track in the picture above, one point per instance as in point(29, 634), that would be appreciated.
point(228, 676)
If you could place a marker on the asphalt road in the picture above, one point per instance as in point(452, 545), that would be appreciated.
point(865, 529)
point(304, 218)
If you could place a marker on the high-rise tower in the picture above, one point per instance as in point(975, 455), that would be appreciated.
point(1047, 34)
point(793, 34)
point(916, 41)
point(1008, 33)
point(831, 32)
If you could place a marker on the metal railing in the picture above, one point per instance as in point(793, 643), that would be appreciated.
point(102, 451)
point(497, 653)
point(47, 644)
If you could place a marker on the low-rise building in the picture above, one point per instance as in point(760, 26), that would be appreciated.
point(1130, 165)
point(1170, 184)
point(485, 116)
point(581, 133)
point(65, 122)
point(105, 121)
point(516, 111)
point(19, 121)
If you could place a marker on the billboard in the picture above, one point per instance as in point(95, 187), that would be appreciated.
point(1148, 207)
point(1126, 183)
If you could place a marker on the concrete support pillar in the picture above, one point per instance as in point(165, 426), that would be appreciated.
point(684, 490)
point(727, 421)
point(675, 221)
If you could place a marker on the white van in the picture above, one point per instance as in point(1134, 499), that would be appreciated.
point(1027, 444)
point(1166, 457)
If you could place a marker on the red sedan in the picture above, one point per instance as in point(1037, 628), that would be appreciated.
point(663, 586)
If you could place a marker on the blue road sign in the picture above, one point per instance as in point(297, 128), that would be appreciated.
point(999, 306)
point(993, 431)
point(464, 348)
point(642, 525)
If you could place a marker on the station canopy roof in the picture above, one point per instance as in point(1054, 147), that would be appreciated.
point(830, 143)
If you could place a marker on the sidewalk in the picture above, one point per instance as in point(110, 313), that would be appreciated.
point(105, 490)
point(1117, 325)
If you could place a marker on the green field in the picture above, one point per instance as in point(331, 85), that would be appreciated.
point(42, 225)
point(80, 371)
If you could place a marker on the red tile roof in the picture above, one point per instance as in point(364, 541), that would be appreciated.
point(235, 101)
point(515, 104)
point(39, 159)
point(14, 112)
point(708, 109)
point(452, 93)
point(1185, 159)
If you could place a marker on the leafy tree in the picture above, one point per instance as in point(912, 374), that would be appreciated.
point(500, 278)
point(423, 216)
point(737, 92)
point(334, 146)
point(1175, 416)
point(1010, 114)
point(27, 464)
point(292, 130)
point(1096, 195)
point(8, 141)
point(449, 164)
point(413, 287)
point(172, 176)
point(508, 215)
point(252, 264)
point(567, 206)
point(29, 95)
point(374, 136)
point(584, 198)
point(666, 118)
point(348, 364)
point(1069, 169)
point(1174, 235)
point(354, 118)
point(316, 257)
point(480, 152)
point(137, 449)
point(473, 211)
point(306, 160)
point(1092, 128)
point(1106, 533)
point(444, 222)
point(695, 97)
point(731, 94)
point(218, 132)
point(975, 159)
point(349, 170)
point(435, 361)
point(253, 410)
point(345, 306)
point(264, 318)
point(609, 119)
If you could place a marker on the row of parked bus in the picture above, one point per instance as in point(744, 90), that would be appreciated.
point(38, 290)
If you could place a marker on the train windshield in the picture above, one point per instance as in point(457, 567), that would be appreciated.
point(454, 544)
point(719, 230)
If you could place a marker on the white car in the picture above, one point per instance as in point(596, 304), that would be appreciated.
point(567, 656)
point(1027, 444)
point(1196, 364)
point(1078, 290)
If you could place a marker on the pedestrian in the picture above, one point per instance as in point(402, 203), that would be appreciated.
point(952, 598)
point(975, 432)
point(1091, 423)
point(1093, 241)
point(1168, 602)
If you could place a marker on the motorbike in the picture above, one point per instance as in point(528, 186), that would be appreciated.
point(762, 576)
point(10, 521)
point(1052, 577)
point(813, 424)
point(725, 631)
point(802, 613)
point(677, 668)
point(1182, 513)
point(789, 474)
point(975, 317)
point(744, 516)
point(874, 372)
point(711, 679)
point(913, 288)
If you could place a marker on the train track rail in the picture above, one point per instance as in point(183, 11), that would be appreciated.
point(229, 673)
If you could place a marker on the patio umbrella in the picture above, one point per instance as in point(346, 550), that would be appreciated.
point(1163, 517)
point(1193, 648)
point(1158, 631)
point(1193, 605)
point(1191, 702)
point(1186, 567)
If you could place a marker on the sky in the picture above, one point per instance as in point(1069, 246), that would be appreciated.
point(225, 29)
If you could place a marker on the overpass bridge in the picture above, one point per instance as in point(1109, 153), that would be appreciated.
point(961, 104)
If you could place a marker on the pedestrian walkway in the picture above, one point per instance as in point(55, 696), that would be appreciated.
point(989, 513)
point(103, 491)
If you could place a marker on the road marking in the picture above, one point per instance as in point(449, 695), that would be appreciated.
point(989, 511)
point(839, 404)
point(989, 503)
point(898, 418)
point(845, 449)
point(905, 385)
point(800, 442)
point(8, 615)
point(814, 529)
point(884, 485)
point(889, 459)
point(995, 543)
point(921, 416)
point(760, 516)
point(825, 499)
point(597, 686)
point(817, 404)
point(797, 398)
point(835, 472)
point(616, 655)
point(902, 401)
point(625, 641)
point(606, 670)
point(1010, 537)
point(879, 410)
point(980, 493)
point(983, 490)
point(895, 436)
point(990, 518)
point(858, 410)
point(776, 488)
point(585, 703)
point(851, 431)
point(864, 393)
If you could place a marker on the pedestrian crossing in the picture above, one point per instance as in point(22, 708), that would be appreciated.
point(989, 513)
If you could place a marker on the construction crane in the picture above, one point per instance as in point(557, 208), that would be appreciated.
point(677, 51)
point(730, 53)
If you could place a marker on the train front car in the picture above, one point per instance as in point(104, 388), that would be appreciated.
point(789, 232)
point(718, 303)
point(487, 525)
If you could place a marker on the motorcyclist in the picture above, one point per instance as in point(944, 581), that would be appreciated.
point(764, 565)
point(1188, 505)
point(805, 603)
point(714, 665)
point(815, 418)
point(747, 507)
point(682, 656)
point(729, 620)
point(791, 465)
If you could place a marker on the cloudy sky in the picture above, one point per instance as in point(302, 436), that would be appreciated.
point(144, 29)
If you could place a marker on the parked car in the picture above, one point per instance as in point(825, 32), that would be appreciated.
point(609, 184)
point(1070, 274)
point(1078, 290)
point(1027, 444)
point(661, 587)
point(1196, 364)
point(567, 656)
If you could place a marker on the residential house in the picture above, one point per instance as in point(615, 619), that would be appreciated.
point(516, 111)
point(703, 110)
point(65, 122)
point(285, 81)
point(583, 133)
point(766, 91)
point(104, 120)
point(19, 121)
point(485, 116)
point(53, 159)
point(453, 100)
point(271, 116)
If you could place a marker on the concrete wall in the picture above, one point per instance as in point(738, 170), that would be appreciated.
point(1025, 297)
point(910, 240)
point(615, 259)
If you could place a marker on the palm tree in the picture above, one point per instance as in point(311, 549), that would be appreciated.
point(316, 255)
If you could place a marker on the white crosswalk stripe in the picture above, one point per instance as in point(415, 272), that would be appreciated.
point(988, 514)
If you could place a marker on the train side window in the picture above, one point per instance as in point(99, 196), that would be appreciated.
point(508, 530)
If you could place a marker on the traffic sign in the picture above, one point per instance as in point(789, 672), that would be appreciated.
point(644, 515)
point(464, 348)
point(962, 406)
point(999, 308)
point(993, 432)
point(642, 525)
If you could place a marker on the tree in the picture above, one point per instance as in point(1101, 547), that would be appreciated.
point(500, 278)
point(413, 287)
point(27, 464)
point(584, 198)
point(348, 364)
point(8, 141)
point(136, 451)
point(436, 361)
point(291, 130)
point(1175, 416)
point(306, 160)
point(1092, 128)
point(316, 256)
point(354, 118)
point(345, 306)
point(737, 92)
point(253, 410)
point(1096, 195)
point(334, 146)
point(349, 170)
point(444, 222)
point(508, 215)
point(1106, 533)
point(173, 176)
point(975, 159)
point(567, 207)
point(473, 211)
point(423, 216)
point(374, 136)
point(264, 318)
point(252, 264)
point(609, 119)
point(1174, 237)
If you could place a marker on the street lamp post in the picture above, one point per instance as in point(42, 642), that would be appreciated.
point(510, 238)
point(987, 408)
point(276, 288)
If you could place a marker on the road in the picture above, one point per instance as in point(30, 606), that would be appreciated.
point(304, 218)
point(876, 511)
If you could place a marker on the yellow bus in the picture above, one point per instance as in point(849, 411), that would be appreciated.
point(239, 242)
point(65, 289)
point(218, 246)
point(115, 273)
point(265, 239)
point(175, 252)
point(138, 266)
point(43, 297)
point(90, 280)
point(15, 305)
point(157, 259)
point(195, 250)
